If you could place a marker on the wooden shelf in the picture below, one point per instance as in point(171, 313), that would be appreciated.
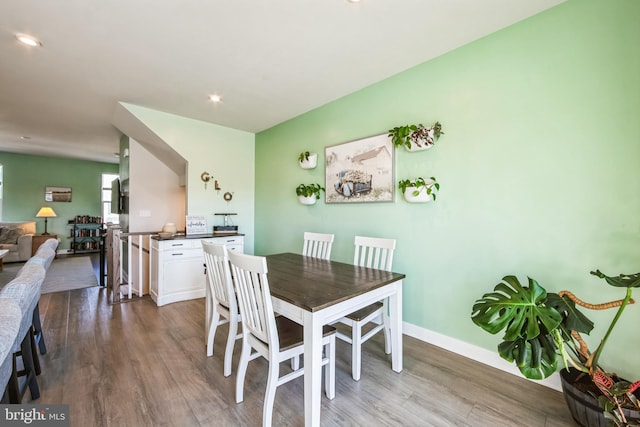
point(85, 237)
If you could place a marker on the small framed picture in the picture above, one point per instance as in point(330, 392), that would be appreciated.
point(196, 224)
point(57, 194)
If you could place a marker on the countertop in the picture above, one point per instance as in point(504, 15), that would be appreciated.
point(182, 236)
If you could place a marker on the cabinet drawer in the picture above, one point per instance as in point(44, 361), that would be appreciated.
point(177, 253)
point(170, 245)
point(226, 240)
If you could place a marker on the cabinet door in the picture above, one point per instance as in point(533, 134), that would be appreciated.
point(182, 276)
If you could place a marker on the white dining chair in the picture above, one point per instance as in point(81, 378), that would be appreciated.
point(375, 253)
point(317, 245)
point(277, 339)
point(222, 306)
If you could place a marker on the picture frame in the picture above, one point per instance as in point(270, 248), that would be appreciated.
point(195, 224)
point(360, 171)
point(57, 194)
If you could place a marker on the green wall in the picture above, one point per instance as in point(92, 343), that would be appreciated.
point(25, 178)
point(538, 168)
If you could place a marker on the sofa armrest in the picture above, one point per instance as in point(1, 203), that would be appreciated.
point(24, 246)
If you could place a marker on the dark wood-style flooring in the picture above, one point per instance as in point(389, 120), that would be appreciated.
point(135, 364)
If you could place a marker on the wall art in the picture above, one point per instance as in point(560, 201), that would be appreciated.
point(360, 171)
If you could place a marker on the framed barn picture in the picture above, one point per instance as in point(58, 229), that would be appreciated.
point(57, 194)
point(360, 171)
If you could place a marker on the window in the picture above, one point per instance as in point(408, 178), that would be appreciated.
point(107, 179)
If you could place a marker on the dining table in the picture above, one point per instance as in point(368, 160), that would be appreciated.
point(315, 292)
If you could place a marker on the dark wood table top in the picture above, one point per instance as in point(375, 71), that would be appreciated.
point(325, 283)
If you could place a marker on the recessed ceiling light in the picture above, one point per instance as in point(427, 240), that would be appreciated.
point(25, 137)
point(215, 98)
point(28, 40)
point(353, 1)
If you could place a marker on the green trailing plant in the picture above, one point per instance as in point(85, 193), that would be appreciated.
point(419, 183)
point(417, 135)
point(309, 190)
point(542, 329)
point(304, 156)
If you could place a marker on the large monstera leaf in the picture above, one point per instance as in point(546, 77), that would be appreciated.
point(621, 280)
point(536, 358)
point(573, 319)
point(518, 309)
point(528, 323)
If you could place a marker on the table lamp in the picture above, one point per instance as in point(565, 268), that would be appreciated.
point(45, 212)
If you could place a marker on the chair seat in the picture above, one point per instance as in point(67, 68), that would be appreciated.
point(291, 334)
point(357, 316)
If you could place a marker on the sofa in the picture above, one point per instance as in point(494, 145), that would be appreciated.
point(10, 318)
point(16, 237)
point(20, 327)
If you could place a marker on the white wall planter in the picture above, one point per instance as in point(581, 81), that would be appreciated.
point(415, 137)
point(422, 196)
point(311, 163)
point(424, 146)
point(307, 200)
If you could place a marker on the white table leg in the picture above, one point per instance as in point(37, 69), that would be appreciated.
point(395, 312)
point(312, 369)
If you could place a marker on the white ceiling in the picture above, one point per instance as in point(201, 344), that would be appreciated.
point(270, 60)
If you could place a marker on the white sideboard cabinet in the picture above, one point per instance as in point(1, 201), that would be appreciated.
point(176, 269)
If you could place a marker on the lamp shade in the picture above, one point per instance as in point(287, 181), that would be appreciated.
point(45, 212)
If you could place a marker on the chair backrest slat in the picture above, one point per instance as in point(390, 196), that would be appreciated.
point(249, 275)
point(374, 252)
point(218, 272)
point(317, 245)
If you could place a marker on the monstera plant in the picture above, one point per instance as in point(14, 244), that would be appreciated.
point(542, 330)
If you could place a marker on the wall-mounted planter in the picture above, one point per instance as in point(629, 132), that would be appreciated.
point(422, 197)
point(308, 160)
point(415, 137)
point(419, 190)
point(309, 193)
point(419, 146)
point(307, 200)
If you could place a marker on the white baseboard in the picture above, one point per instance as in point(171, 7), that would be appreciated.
point(473, 352)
